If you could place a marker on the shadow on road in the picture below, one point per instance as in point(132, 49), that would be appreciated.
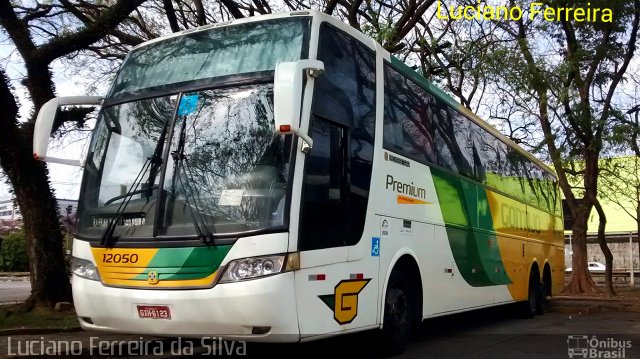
point(366, 344)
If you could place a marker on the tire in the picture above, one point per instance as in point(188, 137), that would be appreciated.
point(546, 291)
point(543, 301)
point(540, 299)
point(398, 316)
point(529, 308)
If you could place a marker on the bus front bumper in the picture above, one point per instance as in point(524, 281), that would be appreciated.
point(227, 311)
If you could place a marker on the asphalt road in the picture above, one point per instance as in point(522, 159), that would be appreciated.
point(14, 289)
point(485, 334)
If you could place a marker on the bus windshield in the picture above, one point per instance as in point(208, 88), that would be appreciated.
point(225, 169)
point(200, 157)
point(221, 51)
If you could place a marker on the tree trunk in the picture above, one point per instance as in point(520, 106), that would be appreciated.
point(171, 15)
point(29, 179)
point(581, 281)
point(200, 15)
point(608, 257)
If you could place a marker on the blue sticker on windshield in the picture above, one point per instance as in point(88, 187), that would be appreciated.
point(188, 104)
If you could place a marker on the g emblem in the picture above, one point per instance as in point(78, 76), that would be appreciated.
point(344, 300)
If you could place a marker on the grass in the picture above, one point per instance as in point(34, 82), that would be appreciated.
point(16, 316)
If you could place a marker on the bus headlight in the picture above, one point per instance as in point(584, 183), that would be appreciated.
point(84, 269)
point(255, 267)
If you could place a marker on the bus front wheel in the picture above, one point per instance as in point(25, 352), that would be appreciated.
point(398, 315)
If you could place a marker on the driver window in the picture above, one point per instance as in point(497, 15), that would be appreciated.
point(128, 155)
point(324, 207)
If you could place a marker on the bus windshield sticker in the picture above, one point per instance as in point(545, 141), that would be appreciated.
point(188, 104)
point(231, 197)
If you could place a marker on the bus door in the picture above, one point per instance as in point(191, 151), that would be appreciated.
point(333, 293)
point(323, 229)
point(336, 287)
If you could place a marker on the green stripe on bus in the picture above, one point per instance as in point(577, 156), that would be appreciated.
point(186, 263)
point(464, 207)
point(487, 242)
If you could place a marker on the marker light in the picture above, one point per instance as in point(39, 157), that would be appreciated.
point(285, 128)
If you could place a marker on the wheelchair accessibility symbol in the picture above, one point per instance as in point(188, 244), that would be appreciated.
point(375, 247)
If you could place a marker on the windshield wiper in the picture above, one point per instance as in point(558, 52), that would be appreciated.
point(113, 223)
point(152, 164)
point(156, 159)
point(178, 156)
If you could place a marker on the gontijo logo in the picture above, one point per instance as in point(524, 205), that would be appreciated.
point(407, 193)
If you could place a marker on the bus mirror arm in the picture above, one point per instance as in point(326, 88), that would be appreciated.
point(287, 96)
point(44, 125)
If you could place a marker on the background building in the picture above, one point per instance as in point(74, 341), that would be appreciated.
point(619, 195)
point(9, 209)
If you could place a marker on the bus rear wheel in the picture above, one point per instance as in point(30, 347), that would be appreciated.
point(531, 306)
point(398, 315)
point(541, 298)
point(546, 289)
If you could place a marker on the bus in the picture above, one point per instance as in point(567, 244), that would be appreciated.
point(284, 178)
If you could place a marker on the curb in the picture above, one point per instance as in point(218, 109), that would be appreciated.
point(599, 300)
point(581, 299)
point(14, 274)
point(36, 331)
point(587, 305)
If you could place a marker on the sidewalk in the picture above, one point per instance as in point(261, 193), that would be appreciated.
point(627, 300)
point(14, 276)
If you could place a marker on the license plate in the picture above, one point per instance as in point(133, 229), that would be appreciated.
point(154, 311)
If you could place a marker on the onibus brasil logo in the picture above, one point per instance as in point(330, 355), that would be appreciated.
point(583, 346)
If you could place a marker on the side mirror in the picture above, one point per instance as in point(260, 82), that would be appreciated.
point(287, 95)
point(44, 125)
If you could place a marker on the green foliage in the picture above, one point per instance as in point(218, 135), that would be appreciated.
point(382, 30)
point(13, 253)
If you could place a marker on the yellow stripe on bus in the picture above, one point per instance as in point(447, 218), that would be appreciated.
point(112, 260)
point(202, 282)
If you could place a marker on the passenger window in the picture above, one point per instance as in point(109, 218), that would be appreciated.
point(408, 126)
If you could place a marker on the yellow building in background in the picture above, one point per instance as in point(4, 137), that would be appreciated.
point(619, 195)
